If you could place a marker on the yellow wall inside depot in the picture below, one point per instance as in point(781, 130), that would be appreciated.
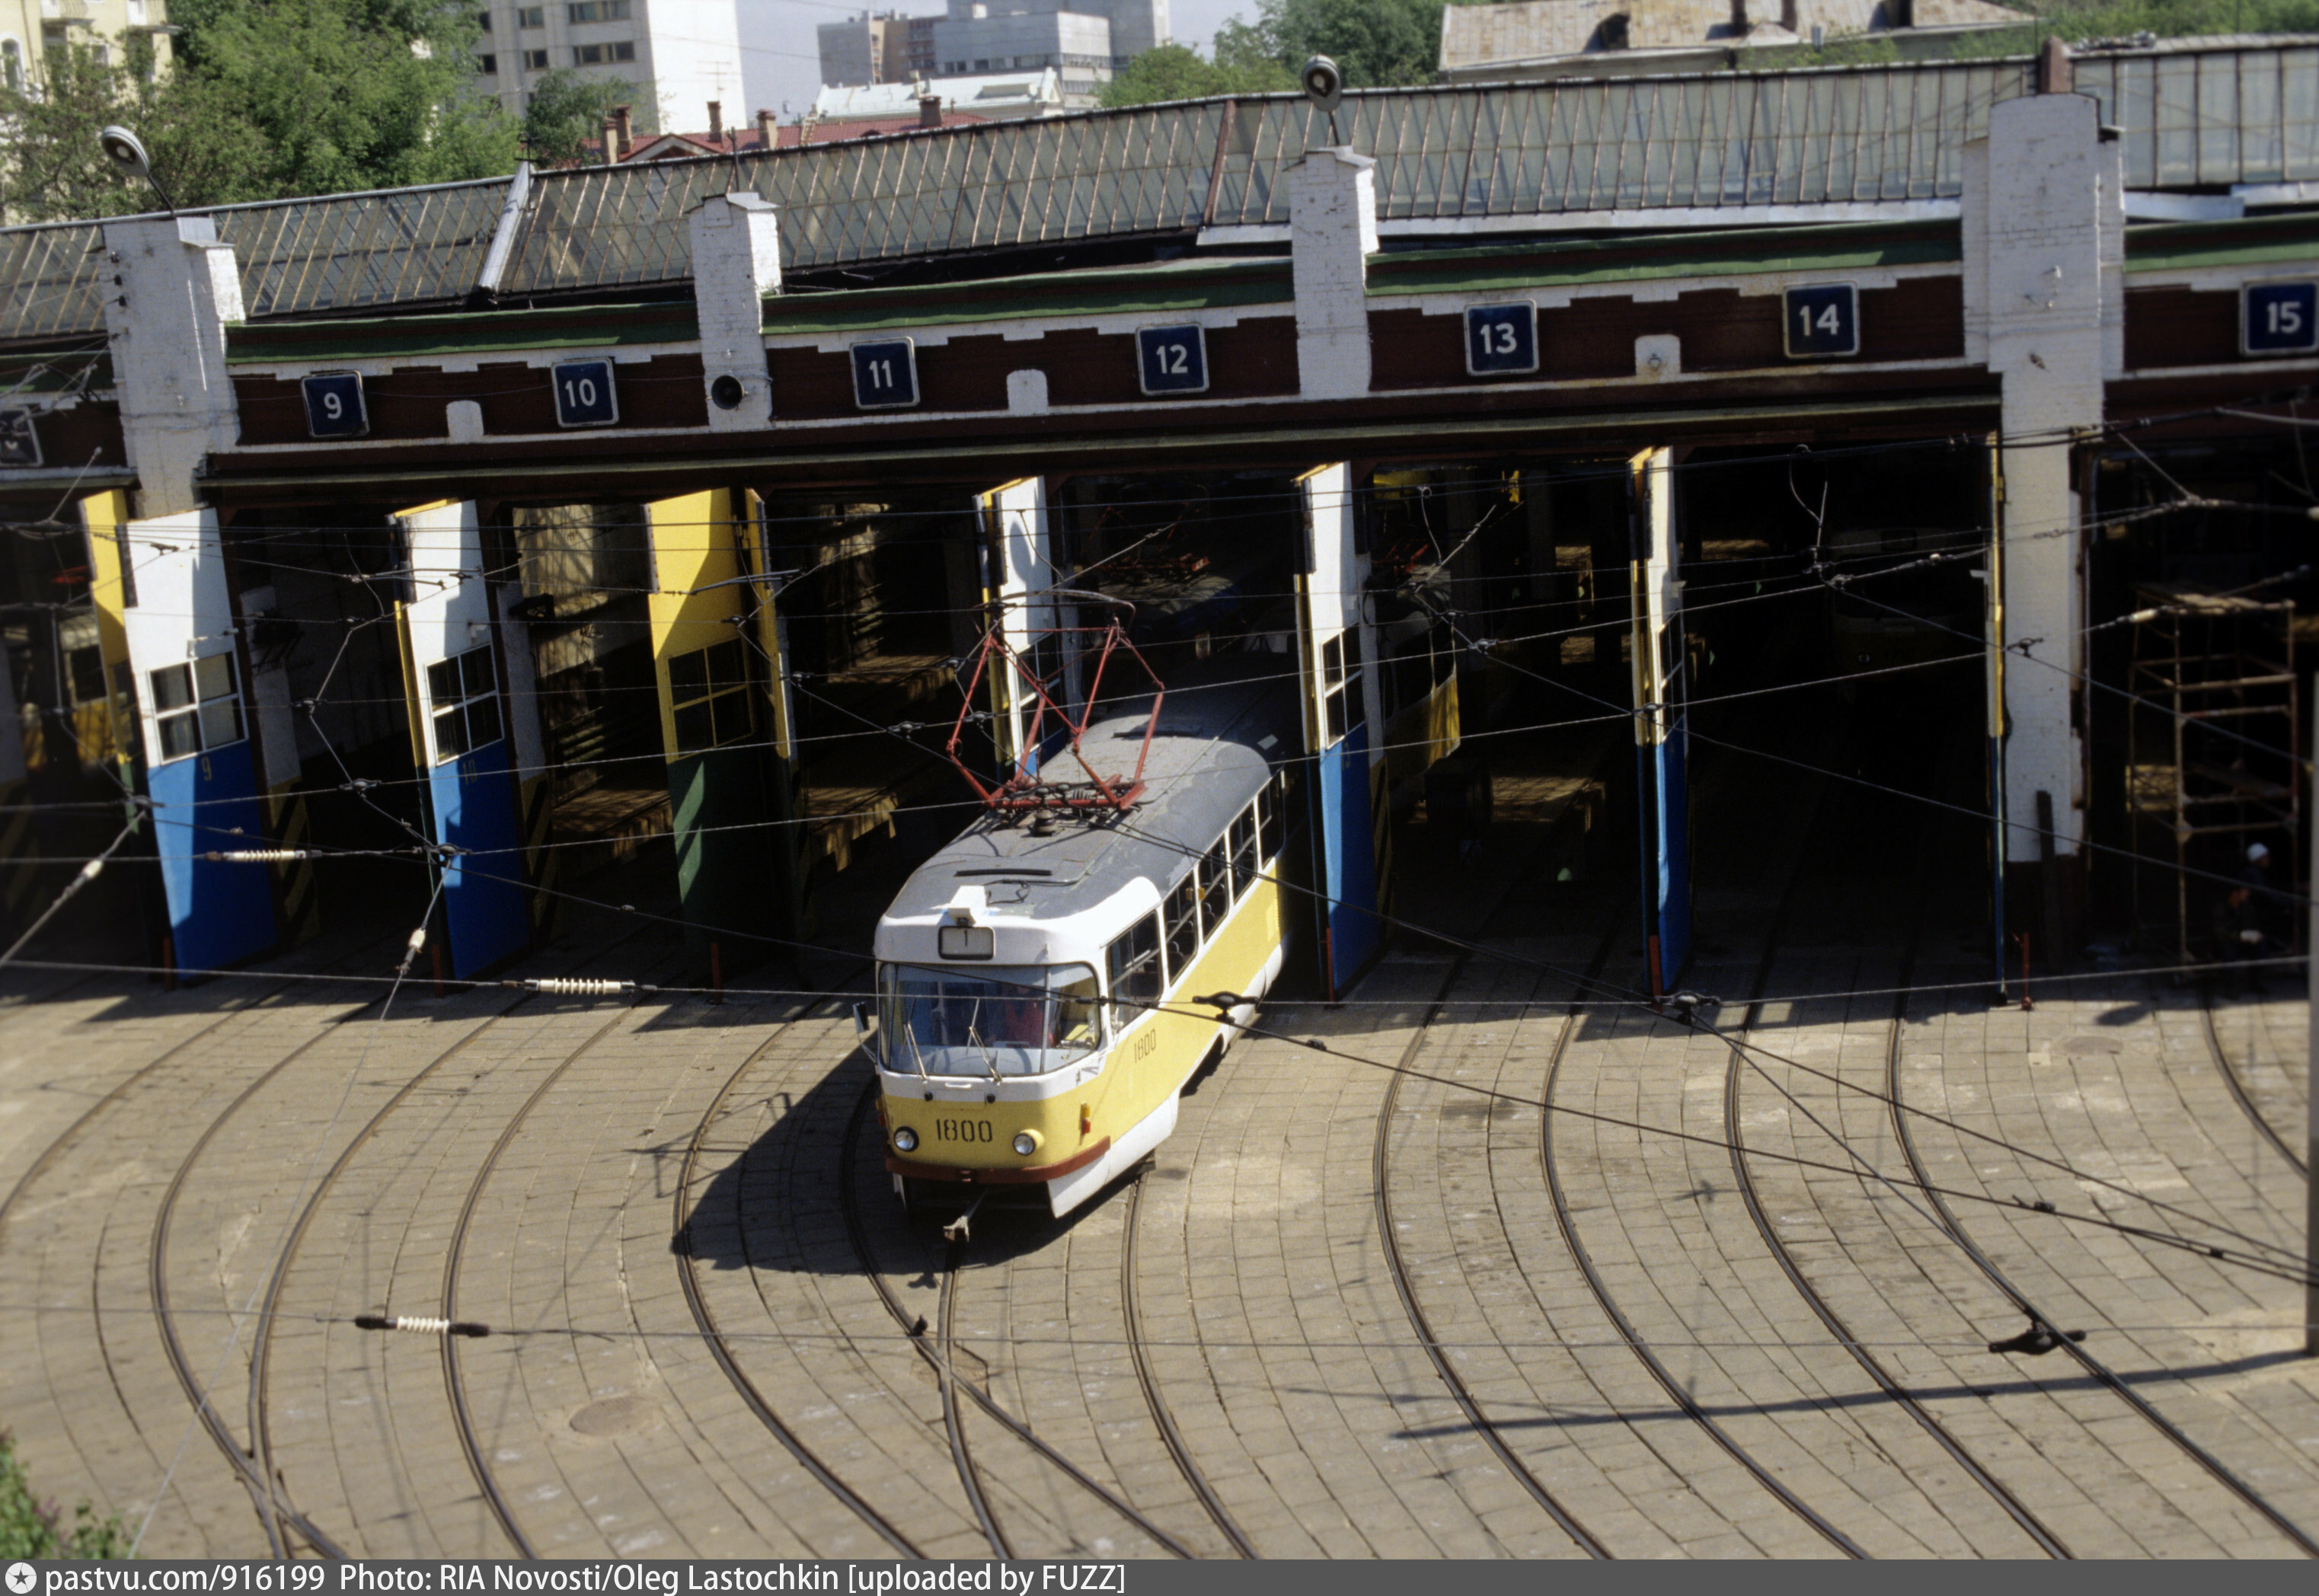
point(1129, 1088)
point(692, 543)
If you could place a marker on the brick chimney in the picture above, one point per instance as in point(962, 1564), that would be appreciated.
point(764, 130)
point(716, 122)
point(930, 111)
point(612, 139)
point(1788, 17)
point(620, 121)
point(1740, 19)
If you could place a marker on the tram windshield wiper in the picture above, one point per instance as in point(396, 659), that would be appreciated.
point(974, 1035)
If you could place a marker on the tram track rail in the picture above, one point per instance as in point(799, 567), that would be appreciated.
point(2100, 1372)
point(2237, 1084)
point(719, 1348)
point(1147, 1379)
point(939, 1360)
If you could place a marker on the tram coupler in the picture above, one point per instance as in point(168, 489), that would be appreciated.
point(959, 1229)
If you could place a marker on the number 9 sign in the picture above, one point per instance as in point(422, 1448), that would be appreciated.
point(584, 395)
point(334, 405)
point(2279, 318)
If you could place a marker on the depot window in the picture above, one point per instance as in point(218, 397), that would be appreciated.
point(708, 688)
point(1340, 684)
point(197, 707)
point(463, 693)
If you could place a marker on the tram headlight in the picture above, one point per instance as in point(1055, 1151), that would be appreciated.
point(905, 1140)
point(1026, 1143)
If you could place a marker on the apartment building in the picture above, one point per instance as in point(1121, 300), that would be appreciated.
point(679, 54)
point(30, 30)
point(1084, 42)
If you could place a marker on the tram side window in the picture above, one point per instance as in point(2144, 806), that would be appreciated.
point(1243, 837)
point(1215, 888)
point(1267, 822)
point(1183, 925)
point(1134, 970)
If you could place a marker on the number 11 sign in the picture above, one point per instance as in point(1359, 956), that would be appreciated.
point(885, 374)
point(2279, 318)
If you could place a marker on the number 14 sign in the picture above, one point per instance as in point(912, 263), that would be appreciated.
point(1822, 319)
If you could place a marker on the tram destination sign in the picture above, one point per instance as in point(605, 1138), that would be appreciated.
point(1500, 340)
point(2279, 318)
point(20, 444)
point(885, 374)
point(1822, 320)
point(585, 395)
point(334, 405)
point(1172, 359)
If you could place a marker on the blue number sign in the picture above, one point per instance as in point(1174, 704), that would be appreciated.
point(584, 395)
point(334, 405)
point(1172, 359)
point(885, 374)
point(1501, 338)
point(19, 444)
point(2279, 318)
point(1822, 319)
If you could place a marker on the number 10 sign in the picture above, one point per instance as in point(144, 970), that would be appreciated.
point(585, 396)
point(2279, 318)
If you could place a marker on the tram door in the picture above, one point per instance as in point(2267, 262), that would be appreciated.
point(1662, 723)
point(1021, 566)
point(460, 735)
point(1993, 636)
point(1346, 770)
point(201, 770)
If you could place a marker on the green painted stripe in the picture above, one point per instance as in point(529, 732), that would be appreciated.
point(1749, 252)
point(45, 371)
point(412, 337)
point(2252, 240)
point(1192, 287)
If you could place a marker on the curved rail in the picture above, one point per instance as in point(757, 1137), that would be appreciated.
point(2239, 1092)
point(1131, 1309)
point(2086, 1360)
point(1380, 1159)
point(953, 1422)
point(850, 1203)
point(1734, 1133)
point(1650, 1360)
point(714, 1339)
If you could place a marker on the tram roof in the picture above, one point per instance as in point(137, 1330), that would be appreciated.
point(1742, 146)
point(1208, 758)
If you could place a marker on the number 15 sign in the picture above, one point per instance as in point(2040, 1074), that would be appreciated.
point(2279, 318)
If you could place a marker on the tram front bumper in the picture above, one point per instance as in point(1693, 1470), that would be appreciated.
point(1020, 1175)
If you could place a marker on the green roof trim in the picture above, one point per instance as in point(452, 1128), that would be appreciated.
point(1190, 285)
point(412, 338)
point(1829, 247)
point(51, 371)
point(2248, 240)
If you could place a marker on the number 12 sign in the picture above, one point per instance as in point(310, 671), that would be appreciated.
point(585, 396)
point(885, 374)
point(1172, 359)
point(2279, 318)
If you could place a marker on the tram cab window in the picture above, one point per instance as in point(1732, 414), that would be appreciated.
point(1215, 889)
point(1183, 925)
point(1000, 1020)
point(1268, 823)
point(1133, 958)
point(1242, 838)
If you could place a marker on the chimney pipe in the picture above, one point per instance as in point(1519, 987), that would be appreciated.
point(930, 111)
point(611, 141)
point(764, 130)
point(1739, 18)
point(620, 123)
point(1788, 17)
point(2053, 71)
point(716, 120)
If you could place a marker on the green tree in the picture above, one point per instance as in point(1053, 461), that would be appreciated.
point(30, 1527)
point(1172, 72)
point(1376, 43)
point(568, 109)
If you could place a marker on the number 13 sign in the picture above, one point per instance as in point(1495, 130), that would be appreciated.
point(2279, 318)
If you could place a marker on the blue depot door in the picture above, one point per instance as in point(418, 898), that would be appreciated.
point(221, 910)
point(1348, 856)
point(1661, 722)
point(473, 800)
point(1336, 648)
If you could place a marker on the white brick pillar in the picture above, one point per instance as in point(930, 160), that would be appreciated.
point(2044, 241)
point(170, 289)
point(1332, 232)
point(737, 261)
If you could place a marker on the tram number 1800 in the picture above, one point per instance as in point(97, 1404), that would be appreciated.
point(963, 1131)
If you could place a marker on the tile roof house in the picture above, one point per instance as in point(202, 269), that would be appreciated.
point(1533, 40)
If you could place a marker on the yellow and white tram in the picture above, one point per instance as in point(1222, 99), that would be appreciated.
point(1037, 978)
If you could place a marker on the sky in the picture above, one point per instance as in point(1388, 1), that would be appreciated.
point(782, 69)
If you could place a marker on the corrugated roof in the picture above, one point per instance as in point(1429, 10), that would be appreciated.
point(2222, 112)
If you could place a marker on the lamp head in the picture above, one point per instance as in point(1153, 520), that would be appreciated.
point(1324, 85)
point(125, 151)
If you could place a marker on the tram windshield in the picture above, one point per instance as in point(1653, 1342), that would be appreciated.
point(997, 1020)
